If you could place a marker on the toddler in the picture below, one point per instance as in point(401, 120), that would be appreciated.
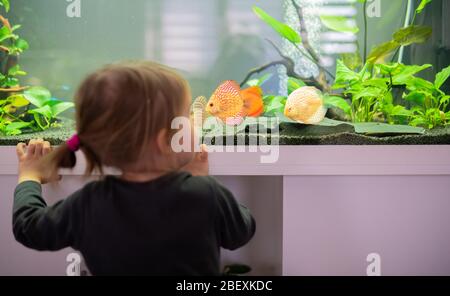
point(162, 215)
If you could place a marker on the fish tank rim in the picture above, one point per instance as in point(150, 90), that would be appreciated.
point(303, 161)
point(290, 134)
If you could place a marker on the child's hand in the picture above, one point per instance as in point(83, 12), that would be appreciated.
point(30, 165)
point(199, 166)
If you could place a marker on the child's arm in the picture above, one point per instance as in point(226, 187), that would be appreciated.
point(236, 224)
point(34, 224)
point(199, 166)
point(30, 157)
point(45, 228)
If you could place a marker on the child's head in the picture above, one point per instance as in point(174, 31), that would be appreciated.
point(124, 114)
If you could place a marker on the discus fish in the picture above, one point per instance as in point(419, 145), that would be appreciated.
point(231, 104)
point(306, 106)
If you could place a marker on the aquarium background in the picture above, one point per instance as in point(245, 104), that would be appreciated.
point(208, 40)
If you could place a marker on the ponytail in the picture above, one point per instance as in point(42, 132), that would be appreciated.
point(64, 157)
point(61, 157)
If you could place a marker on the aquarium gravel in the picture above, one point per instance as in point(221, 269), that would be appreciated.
point(55, 136)
point(296, 134)
point(289, 134)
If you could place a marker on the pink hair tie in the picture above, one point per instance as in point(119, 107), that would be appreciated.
point(73, 143)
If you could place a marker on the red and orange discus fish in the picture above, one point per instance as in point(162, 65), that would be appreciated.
point(231, 104)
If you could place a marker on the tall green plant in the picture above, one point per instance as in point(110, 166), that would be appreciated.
point(407, 36)
point(22, 108)
point(366, 88)
point(282, 29)
point(370, 83)
point(300, 41)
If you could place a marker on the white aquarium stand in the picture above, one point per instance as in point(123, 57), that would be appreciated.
point(320, 210)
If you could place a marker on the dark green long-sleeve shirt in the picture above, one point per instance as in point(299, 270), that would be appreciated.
point(174, 225)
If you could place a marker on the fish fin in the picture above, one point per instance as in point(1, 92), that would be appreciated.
point(257, 113)
point(236, 120)
point(255, 90)
point(318, 116)
point(253, 101)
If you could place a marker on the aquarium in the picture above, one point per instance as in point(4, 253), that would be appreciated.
point(348, 98)
point(301, 72)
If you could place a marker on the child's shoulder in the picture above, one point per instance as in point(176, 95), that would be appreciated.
point(197, 191)
point(196, 184)
point(177, 180)
point(180, 183)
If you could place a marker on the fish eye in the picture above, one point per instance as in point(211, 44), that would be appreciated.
point(211, 105)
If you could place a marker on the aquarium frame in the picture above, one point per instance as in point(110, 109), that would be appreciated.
point(305, 161)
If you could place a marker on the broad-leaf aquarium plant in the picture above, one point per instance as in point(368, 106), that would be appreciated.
point(22, 108)
point(369, 91)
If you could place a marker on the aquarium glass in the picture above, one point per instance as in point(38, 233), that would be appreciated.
point(210, 41)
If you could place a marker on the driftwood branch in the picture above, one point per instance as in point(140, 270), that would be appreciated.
point(5, 22)
point(320, 81)
point(7, 60)
point(288, 63)
point(304, 33)
point(290, 68)
point(15, 89)
point(4, 58)
point(261, 69)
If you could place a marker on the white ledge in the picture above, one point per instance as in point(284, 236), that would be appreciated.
point(307, 161)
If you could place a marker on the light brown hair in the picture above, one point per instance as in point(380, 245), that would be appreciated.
point(120, 109)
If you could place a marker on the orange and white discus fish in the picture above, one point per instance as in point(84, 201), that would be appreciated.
point(306, 106)
point(231, 104)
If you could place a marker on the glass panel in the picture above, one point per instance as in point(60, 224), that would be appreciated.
point(210, 41)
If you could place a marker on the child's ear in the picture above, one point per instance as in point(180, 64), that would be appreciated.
point(163, 142)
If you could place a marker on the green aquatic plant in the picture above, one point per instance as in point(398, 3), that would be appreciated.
point(372, 91)
point(430, 103)
point(406, 36)
point(22, 108)
point(371, 84)
point(260, 81)
point(274, 105)
point(282, 29)
point(47, 109)
point(367, 88)
point(372, 95)
point(31, 111)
